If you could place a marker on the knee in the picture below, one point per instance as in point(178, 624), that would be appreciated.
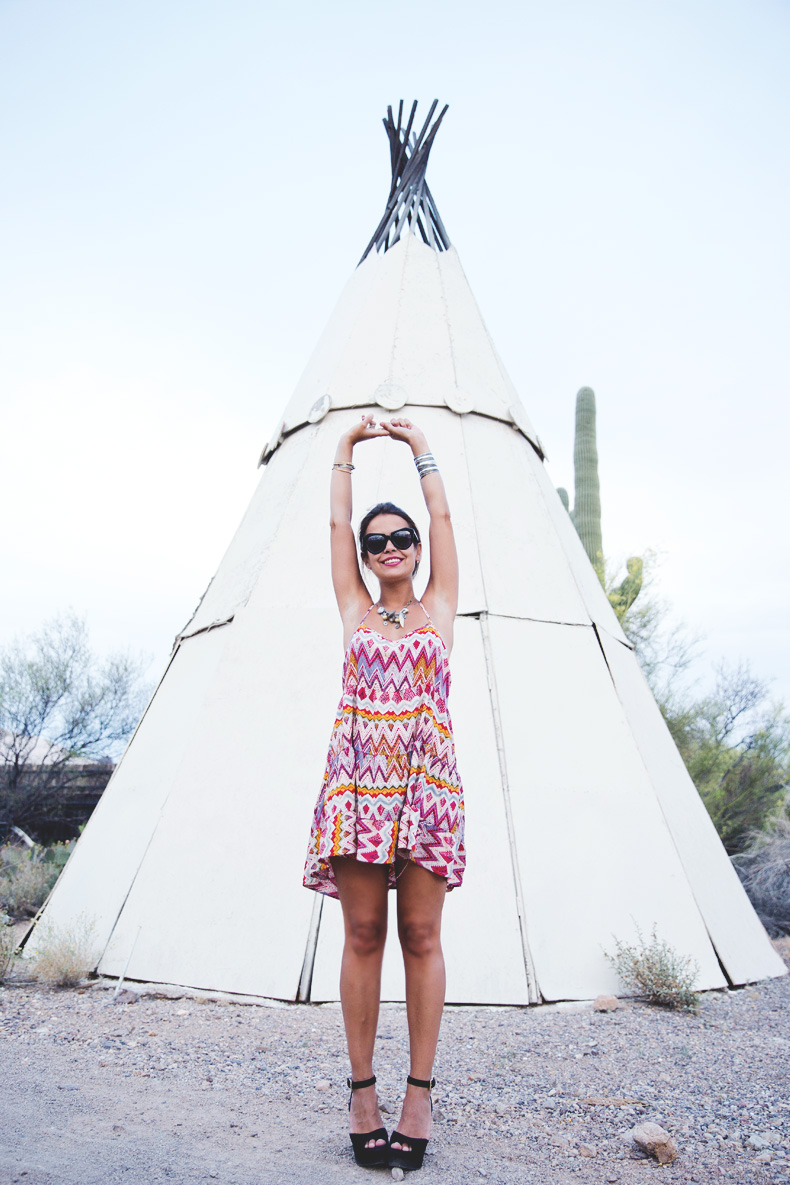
point(419, 939)
point(366, 936)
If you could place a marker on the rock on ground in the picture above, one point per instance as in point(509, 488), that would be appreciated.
point(652, 1139)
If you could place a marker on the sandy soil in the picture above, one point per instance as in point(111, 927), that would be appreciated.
point(191, 1089)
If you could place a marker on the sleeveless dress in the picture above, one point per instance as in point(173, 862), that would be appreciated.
point(391, 786)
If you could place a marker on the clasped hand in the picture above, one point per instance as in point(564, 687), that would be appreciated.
point(397, 429)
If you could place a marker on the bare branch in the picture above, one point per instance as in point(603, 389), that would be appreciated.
point(61, 709)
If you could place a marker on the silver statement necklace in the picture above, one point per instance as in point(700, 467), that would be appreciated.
point(396, 617)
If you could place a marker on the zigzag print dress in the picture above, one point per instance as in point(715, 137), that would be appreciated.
point(391, 787)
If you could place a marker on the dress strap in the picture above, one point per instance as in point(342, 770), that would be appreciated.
point(370, 606)
point(425, 611)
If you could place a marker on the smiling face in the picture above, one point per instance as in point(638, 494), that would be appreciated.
point(391, 563)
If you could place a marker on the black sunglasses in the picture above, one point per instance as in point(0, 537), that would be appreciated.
point(402, 539)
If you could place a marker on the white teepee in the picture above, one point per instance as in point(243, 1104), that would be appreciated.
point(582, 822)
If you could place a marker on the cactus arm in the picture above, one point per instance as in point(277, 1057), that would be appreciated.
point(623, 597)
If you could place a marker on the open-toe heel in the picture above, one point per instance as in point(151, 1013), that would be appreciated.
point(400, 1158)
point(378, 1155)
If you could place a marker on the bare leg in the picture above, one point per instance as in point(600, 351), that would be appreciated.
point(363, 896)
point(421, 897)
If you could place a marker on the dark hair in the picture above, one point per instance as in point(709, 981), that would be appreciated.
point(383, 508)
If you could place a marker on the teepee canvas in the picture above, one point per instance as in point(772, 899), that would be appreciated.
point(582, 823)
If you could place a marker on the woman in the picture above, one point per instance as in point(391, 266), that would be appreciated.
point(390, 813)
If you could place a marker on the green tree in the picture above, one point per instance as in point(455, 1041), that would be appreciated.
point(736, 746)
point(734, 740)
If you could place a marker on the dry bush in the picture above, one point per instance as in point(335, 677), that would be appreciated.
point(63, 956)
point(25, 880)
point(764, 869)
point(652, 969)
point(7, 945)
point(782, 948)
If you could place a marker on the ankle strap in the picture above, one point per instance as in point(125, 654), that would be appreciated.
point(423, 1082)
point(361, 1084)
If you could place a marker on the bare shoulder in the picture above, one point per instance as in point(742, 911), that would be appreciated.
point(442, 615)
point(353, 615)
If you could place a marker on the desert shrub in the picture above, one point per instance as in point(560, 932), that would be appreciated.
point(63, 955)
point(27, 876)
point(7, 944)
point(57, 854)
point(764, 869)
point(654, 970)
point(782, 947)
point(25, 880)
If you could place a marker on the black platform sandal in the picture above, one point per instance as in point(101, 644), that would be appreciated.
point(378, 1155)
point(399, 1157)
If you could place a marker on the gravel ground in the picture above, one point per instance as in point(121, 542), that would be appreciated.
point(191, 1089)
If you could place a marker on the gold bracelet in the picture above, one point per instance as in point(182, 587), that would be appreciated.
point(343, 466)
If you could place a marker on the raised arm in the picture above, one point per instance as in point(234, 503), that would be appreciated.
point(441, 593)
point(350, 591)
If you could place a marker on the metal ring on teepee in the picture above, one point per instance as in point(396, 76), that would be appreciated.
point(459, 401)
point(273, 444)
point(519, 417)
point(319, 409)
point(391, 396)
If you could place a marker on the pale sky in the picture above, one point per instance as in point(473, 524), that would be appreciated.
point(187, 187)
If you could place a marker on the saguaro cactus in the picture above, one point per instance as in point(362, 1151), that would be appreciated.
point(586, 513)
point(587, 489)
